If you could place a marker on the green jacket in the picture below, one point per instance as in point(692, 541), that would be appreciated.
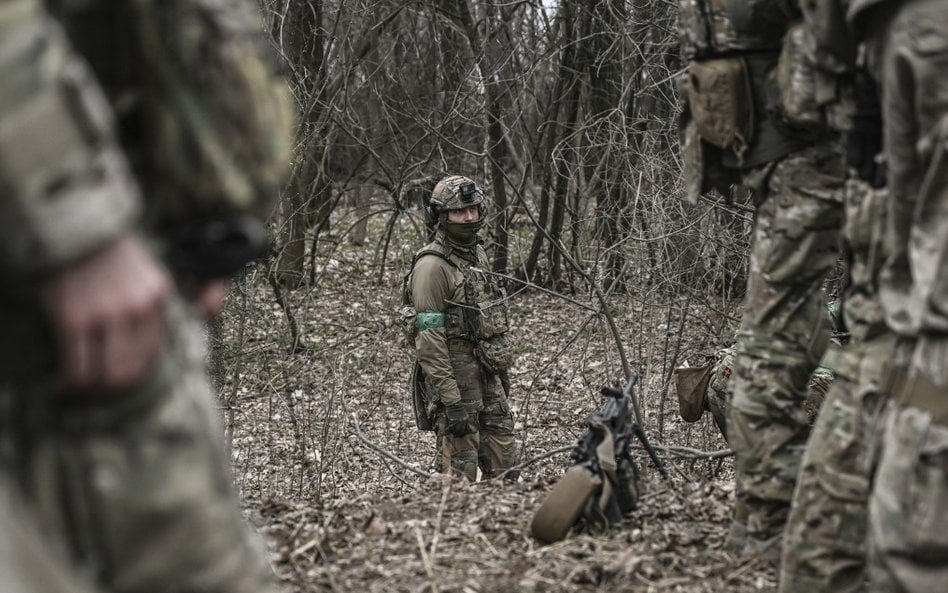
point(457, 303)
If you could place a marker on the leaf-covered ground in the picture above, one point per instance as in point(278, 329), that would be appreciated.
point(339, 481)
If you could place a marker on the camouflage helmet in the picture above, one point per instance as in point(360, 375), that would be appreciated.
point(455, 192)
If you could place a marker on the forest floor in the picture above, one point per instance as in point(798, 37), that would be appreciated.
point(339, 482)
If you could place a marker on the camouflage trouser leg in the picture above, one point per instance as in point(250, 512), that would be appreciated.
point(498, 448)
point(784, 331)
point(139, 483)
point(824, 549)
point(908, 506)
point(492, 447)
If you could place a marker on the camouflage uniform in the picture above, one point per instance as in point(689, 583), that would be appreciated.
point(461, 323)
point(744, 124)
point(27, 564)
point(136, 484)
point(908, 506)
point(824, 543)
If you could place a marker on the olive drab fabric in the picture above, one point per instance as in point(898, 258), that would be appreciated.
point(794, 166)
point(825, 543)
point(716, 27)
point(138, 484)
point(691, 385)
point(28, 562)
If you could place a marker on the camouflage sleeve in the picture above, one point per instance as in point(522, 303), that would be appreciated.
point(431, 286)
point(220, 119)
point(65, 186)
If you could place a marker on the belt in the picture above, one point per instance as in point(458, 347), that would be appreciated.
point(459, 345)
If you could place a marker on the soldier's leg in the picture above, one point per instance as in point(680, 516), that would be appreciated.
point(498, 449)
point(784, 332)
point(908, 506)
point(824, 543)
point(460, 453)
point(139, 482)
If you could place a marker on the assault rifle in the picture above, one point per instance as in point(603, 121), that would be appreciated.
point(603, 483)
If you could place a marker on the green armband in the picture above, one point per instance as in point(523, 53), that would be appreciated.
point(425, 320)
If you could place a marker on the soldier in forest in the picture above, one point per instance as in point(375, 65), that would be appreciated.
point(460, 335)
point(825, 541)
point(108, 431)
point(748, 122)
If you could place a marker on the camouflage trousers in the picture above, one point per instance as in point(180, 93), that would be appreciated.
point(137, 485)
point(491, 446)
point(908, 505)
point(784, 331)
point(824, 545)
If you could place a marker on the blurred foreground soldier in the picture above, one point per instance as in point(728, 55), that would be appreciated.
point(460, 324)
point(907, 42)
point(107, 423)
point(824, 546)
point(825, 541)
point(750, 121)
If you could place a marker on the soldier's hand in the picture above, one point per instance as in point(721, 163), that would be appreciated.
point(107, 312)
point(210, 297)
point(458, 420)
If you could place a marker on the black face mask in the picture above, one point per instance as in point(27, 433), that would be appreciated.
point(462, 233)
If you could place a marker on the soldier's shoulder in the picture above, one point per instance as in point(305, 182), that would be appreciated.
point(433, 253)
point(430, 258)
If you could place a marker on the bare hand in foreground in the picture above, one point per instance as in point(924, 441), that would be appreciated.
point(108, 314)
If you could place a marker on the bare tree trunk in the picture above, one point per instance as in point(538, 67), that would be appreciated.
point(305, 49)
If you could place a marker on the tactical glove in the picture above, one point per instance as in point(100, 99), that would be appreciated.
point(459, 422)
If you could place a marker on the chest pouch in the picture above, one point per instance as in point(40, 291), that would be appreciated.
point(720, 99)
point(796, 84)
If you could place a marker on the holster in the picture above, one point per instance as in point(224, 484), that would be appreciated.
point(420, 398)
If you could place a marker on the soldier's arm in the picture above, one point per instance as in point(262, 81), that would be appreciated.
point(65, 185)
point(430, 289)
point(67, 207)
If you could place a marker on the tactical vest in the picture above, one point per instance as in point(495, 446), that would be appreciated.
point(714, 28)
point(483, 314)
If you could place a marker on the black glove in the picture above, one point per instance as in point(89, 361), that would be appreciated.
point(459, 422)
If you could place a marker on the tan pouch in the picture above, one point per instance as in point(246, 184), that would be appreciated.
point(722, 103)
point(798, 84)
point(691, 384)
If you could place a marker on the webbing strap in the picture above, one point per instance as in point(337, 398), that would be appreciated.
point(919, 392)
